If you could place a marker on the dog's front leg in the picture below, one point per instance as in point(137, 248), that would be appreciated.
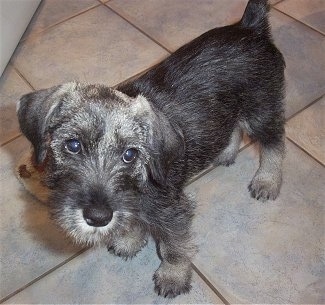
point(173, 277)
point(128, 244)
point(175, 247)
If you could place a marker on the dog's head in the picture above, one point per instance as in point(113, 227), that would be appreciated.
point(104, 151)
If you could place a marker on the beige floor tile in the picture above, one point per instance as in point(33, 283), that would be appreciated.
point(96, 277)
point(307, 129)
point(96, 47)
point(173, 23)
point(311, 12)
point(51, 12)
point(12, 86)
point(303, 50)
point(258, 252)
point(30, 243)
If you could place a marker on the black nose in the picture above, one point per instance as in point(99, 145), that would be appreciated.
point(98, 216)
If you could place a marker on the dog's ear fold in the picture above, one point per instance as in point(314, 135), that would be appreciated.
point(34, 111)
point(166, 141)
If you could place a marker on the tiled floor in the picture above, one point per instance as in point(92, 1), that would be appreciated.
point(250, 252)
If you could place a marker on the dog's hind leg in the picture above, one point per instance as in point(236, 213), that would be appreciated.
point(229, 154)
point(268, 178)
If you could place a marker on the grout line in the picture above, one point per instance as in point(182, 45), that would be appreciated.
point(135, 76)
point(139, 29)
point(300, 21)
point(305, 151)
point(293, 141)
point(211, 286)
point(272, 5)
point(304, 108)
point(35, 35)
point(21, 75)
point(10, 140)
point(43, 275)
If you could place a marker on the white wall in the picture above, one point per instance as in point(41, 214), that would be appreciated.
point(14, 18)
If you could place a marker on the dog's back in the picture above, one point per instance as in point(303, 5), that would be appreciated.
point(228, 74)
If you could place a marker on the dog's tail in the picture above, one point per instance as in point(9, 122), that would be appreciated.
point(256, 16)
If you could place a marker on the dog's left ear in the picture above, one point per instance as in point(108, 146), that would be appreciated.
point(34, 111)
point(166, 141)
point(169, 140)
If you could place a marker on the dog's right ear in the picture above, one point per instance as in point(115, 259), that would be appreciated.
point(34, 111)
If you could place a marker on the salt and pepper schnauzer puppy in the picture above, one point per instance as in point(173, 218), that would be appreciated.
point(117, 160)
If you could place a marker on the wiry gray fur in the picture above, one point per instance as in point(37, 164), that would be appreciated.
point(184, 114)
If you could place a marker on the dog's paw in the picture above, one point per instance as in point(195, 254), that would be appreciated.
point(227, 163)
point(118, 252)
point(264, 188)
point(224, 160)
point(127, 248)
point(171, 281)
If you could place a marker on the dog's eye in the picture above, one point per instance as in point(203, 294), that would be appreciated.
point(73, 146)
point(129, 155)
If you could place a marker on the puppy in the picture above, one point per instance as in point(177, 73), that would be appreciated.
point(116, 161)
